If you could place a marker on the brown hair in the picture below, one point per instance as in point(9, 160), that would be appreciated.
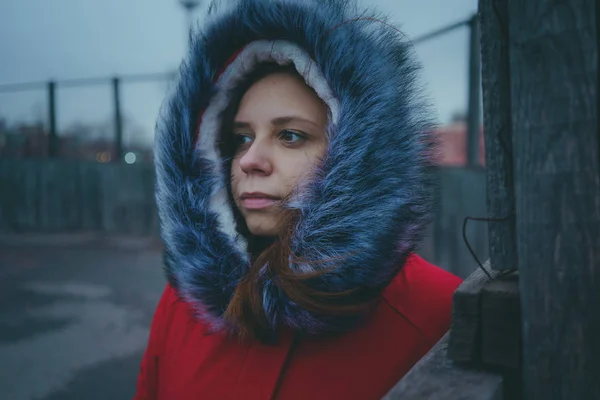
point(245, 309)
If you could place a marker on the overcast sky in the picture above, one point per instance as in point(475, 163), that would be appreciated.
point(67, 39)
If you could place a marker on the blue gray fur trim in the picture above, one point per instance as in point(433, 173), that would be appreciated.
point(370, 201)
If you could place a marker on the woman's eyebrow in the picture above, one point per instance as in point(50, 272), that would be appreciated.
point(279, 121)
point(241, 125)
point(291, 118)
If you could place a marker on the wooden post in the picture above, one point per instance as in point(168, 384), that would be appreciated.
point(118, 121)
point(554, 104)
point(53, 136)
point(473, 124)
point(498, 133)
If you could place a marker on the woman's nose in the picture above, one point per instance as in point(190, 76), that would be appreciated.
point(256, 159)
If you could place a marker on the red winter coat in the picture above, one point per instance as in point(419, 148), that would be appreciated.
point(183, 362)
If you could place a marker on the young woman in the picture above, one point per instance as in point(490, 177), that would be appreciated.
point(293, 187)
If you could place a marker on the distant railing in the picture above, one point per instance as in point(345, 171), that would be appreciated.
point(116, 83)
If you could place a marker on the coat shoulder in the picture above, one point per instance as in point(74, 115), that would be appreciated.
point(422, 294)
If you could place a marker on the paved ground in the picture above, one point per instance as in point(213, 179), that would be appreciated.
point(74, 315)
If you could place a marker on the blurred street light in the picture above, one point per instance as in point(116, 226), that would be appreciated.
point(130, 158)
point(189, 6)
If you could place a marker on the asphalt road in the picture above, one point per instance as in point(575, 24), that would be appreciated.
point(74, 315)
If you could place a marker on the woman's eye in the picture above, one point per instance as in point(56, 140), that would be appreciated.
point(290, 137)
point(242, 140)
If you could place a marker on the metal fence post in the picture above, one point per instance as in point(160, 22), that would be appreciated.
point(53, 136)
point(118, 121)
point(473, 124)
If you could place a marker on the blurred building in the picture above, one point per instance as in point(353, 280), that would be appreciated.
point(453, 144)
point(79, 142)
point(23, 140)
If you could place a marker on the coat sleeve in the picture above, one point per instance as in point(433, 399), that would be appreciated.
point(147, 381)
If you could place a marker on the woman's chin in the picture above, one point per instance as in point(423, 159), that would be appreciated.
point(262, 228)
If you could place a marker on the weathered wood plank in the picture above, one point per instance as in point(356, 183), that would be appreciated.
point(435, 377)
point(128, 196)
point(25, 199)
point(498, 132)
point(48, 195)
point(501, 323)
point(150, 212)
point(6, 196)
point(554, 106)
point(58, 196)
point(464, 343)
point(109, 188)
point(91, 195)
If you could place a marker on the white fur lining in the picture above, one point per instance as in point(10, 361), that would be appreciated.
point(283, 53)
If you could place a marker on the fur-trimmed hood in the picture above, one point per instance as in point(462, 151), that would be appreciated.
point(369, 202)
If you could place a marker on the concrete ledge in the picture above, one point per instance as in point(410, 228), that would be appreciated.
point(435, 377)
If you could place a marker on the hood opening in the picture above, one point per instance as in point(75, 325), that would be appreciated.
point(229, 87)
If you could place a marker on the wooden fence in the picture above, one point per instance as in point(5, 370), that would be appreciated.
point(72, 196)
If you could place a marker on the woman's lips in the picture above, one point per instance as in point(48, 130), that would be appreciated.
point(258, 201)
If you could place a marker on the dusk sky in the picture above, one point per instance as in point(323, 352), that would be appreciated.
point(69, 39)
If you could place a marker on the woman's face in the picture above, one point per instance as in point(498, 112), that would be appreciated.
point(280, 136)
